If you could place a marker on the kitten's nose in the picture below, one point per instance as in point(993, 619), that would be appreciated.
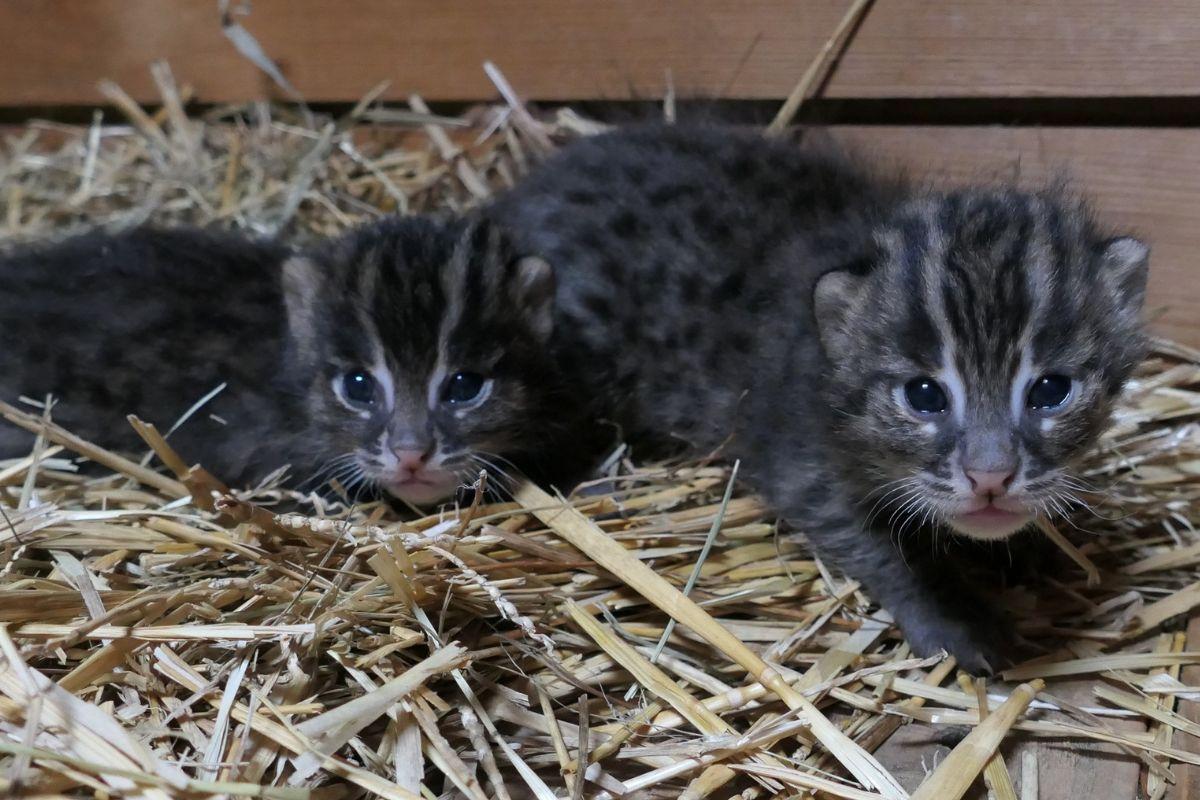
point(992, 483)
point(411, 460)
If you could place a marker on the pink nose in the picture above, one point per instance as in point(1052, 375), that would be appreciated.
point(411, 460)
point(993, 483)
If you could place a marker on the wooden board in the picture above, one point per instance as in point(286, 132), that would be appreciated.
point(1065, 770)
point(56, 50)
point(1187, 777)
point(1143, 181)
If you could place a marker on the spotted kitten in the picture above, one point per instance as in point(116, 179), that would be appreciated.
point(888, 362)
point(334, 361)
point(149, 322)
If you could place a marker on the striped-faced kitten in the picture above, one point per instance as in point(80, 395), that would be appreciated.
point(334, 362)
point(983, 343)
point(971, 353)
point(403, 345)
point(886, 362)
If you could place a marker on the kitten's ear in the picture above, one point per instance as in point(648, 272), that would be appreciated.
point(302, 281)
point(833, 299)
point(522, 285)
point(1125, 266)
point(531, 288)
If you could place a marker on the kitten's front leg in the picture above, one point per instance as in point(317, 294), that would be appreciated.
point(933, 607)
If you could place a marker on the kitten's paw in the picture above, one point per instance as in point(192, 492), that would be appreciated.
point(978, 645)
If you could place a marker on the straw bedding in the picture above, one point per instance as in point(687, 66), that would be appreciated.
point(656, 636)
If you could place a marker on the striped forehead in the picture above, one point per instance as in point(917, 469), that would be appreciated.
point(474, 282)
point(407, 308)
point(394, 292)
point(1069, 328)
point(978, 264)
point(478, 310)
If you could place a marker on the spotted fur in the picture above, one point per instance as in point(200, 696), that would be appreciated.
point(671, 298)
point(149, 322)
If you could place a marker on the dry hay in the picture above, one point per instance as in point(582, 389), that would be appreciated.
point(163, 637)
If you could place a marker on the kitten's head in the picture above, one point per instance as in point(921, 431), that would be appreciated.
point(976, 351)
point(401, 397)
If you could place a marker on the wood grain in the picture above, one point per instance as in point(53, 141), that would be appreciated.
point(56, 50)
point(1080, 769)
point(1187, 778)
point(1143, 181)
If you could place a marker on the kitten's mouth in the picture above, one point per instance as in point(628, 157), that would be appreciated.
point(994, 519)
point(422, 488)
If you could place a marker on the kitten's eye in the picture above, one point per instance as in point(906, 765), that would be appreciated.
point(1049, 391)
point(925, 396)
point(462, 387)
point(359, 387)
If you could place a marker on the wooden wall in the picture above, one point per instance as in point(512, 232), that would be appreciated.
point(1143, 181)
point(994, 57)
point(567, 49)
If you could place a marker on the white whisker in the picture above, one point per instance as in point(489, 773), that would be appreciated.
point(327, 468)
point(914, 498)
point(904, 489)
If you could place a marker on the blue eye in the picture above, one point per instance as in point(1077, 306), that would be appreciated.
point(1048, 392)
point(359, 387)
point(926, 396)
point(462, 387)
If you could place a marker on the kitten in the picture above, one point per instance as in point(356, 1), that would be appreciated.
point(149, 322)
point(334, 361)
point(402, 345)
point(887, 362)
point(970, 354)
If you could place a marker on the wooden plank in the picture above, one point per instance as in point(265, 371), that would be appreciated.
point(1187, 778)
point(56, 50)
point(1066, 771)
point(1143, 181)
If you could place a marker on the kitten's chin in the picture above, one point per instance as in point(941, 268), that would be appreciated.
point(989, 523)
point(426, 489)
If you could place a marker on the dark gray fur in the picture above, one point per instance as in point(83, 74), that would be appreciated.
point(673, 295)
point(713, 287)
point(148, 322)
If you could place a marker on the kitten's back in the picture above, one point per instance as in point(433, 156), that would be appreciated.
point(147, 322)
point(663, 240)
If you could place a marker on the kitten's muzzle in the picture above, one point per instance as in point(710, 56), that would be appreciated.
point(413, 469)
point(423, 486)
point(991, 522)
point(991, 512)
point(415, 477)
point(412, 450)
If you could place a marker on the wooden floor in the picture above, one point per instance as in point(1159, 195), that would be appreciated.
point(1049, 769)
point(1060, 770)
point(1188, 786)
